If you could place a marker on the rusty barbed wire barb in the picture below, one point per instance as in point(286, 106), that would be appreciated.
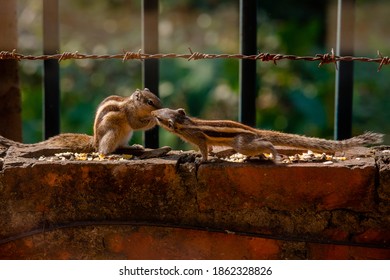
point(5, 55)
point(277, 57)
point(328, 58)
point(132, 55)
point(69, 55)
point(195, 55)
point(263, 57)
point(384, 60)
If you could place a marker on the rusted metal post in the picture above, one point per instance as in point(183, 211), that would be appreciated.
point(10, 104)
point(51, 45)
point(150, 66)
point(248, 46)
point(344, 75)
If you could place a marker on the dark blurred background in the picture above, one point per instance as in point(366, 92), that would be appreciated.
point(293, 96)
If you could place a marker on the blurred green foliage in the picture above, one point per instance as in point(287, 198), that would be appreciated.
point(293, 96)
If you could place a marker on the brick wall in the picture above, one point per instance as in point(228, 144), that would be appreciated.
point(159, 209)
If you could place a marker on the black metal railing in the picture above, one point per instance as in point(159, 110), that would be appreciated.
point(248, 78)
point(51, 80)
point(344, 75)
point(150, 68)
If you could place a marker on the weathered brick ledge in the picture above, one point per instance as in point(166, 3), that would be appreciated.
point(158, 209)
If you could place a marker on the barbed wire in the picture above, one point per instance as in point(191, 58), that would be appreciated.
point(264, 57)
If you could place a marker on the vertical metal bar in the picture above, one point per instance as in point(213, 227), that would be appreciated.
point(51, 45)
point(248, 40)
point(150, 66)
point(10, 95)
point(344, 75)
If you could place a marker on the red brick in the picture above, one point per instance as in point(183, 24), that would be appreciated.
point(159, 243)
point(140, 243)
point(335, 234)
point(286, 187)
point(341, 252)
point(381, 236)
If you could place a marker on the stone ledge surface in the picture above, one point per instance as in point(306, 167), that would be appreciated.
point(293, 209)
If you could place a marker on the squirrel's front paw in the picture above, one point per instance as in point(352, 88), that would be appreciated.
point(137, 147)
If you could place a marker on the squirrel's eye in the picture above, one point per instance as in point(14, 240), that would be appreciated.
point(150, 102)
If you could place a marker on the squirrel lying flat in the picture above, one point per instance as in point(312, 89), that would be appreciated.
point(247, 140)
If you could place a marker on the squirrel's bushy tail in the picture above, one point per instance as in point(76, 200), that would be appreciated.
point(5, 142)
point(81, 143)
point(368, 138)
point(318, 144)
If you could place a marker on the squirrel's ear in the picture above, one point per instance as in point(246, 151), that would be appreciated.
point(137, 94)
point(146, 89)
point(181, 111)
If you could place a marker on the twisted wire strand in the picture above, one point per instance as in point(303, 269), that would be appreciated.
point(322, 59)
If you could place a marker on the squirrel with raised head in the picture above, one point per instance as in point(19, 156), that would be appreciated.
point(115, 120)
